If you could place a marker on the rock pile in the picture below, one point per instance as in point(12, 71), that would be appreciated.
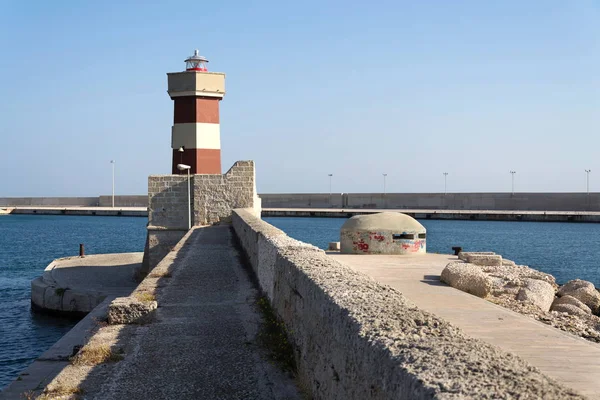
point(573, 307)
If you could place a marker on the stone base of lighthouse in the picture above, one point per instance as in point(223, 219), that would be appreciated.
point(213, 197)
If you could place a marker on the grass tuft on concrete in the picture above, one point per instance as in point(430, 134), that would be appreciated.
point(94, 355)
point(57, 392)
point(145, 296)
point(274, 337)
point(162, 274)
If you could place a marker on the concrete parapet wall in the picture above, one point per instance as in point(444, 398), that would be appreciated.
point(439, 201)
point(124, 201)
point(49, 201)
point(101, 201)
point(355, 338)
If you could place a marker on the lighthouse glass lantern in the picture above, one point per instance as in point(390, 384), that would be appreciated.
point(196, 63)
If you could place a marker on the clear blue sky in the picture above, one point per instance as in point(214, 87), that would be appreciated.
point(353, 88)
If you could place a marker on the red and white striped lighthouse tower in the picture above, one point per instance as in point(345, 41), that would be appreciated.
point(196, 136)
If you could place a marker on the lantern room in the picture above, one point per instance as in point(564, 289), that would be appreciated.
point(196, 63)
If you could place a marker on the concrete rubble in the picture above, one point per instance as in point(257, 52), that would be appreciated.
point(130, 310)
point(573, 307)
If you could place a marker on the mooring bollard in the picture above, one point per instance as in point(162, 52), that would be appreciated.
point(457, 250)
point(81, 250)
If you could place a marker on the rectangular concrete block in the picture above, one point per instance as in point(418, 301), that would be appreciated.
point(464, 254)
point(484, 259)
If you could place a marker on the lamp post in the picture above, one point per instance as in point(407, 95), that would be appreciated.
point(330, 176)
point(445, 186)
point(384, 199)
point(513, 181)
point(183, 167)
point(587, 172)
point(181, 151)
point(113, 182)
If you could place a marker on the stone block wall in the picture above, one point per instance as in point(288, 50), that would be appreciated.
point(168, 201)
point(216, 195)
point(213, 197)
point(357, 339)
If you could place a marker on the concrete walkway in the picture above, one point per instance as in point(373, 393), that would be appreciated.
point(203, 342)
point(570, 360)
point(111, 274)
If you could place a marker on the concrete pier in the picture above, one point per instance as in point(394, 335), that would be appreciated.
point(90, 211)
point(76, 285)
point(469, 215)
point(570, 360)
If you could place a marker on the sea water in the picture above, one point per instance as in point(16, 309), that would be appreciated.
point(28, 243)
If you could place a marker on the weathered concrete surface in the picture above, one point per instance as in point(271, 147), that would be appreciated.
point(202, 343)
point(570, 360)
point(357, 339)
point(484, 259)
point(79, 284)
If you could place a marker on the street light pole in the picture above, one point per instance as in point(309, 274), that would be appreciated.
point(113, 182)
point(181, 151)
point(330, 176)
point(587, 171)
point(384, 176)
point(183, 167)
point(445, 176)
point(513, 181)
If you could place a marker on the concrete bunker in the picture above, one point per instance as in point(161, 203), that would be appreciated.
point(383, 233)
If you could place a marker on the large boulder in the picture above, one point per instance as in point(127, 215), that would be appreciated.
point(569, 309)
point(539, 293)
point(583, 291)
point(566, 304)
point(467, 277)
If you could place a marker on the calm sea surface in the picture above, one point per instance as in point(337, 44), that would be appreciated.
point(27, 245)
point(567, 251)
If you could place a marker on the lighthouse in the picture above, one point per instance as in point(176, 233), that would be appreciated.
point(196, 135)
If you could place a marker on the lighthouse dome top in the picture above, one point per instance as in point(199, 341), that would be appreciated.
point(196, 62)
